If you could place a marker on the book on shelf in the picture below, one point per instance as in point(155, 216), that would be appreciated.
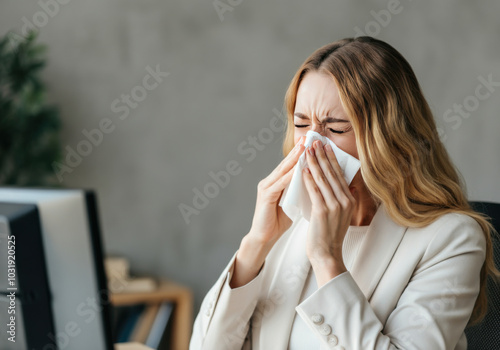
point(126, 321)
point(133, 285)
point(149, 324)
point(158, 337)
point(144, 324)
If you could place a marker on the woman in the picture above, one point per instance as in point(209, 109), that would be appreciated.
point(397, 259)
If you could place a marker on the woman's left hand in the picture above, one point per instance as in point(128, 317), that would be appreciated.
point(331, 212)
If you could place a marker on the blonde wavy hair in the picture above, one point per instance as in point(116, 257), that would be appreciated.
point(403, 162)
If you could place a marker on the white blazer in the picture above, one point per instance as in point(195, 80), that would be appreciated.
point(408, 288)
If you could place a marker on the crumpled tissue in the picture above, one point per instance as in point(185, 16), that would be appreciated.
point(295, 200)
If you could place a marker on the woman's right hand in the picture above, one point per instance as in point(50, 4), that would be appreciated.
point(269, 220)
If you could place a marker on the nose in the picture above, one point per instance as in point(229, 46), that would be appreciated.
point(318, 128)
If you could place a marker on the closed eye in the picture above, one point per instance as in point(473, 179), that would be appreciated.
point(332, 130)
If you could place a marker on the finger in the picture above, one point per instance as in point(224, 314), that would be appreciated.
point(330, 155)
point(326, 186)
point(293, 154)
point(282, 182)
point(340, 174)
point(315, 194)
point(286, 164)
point(328, 167)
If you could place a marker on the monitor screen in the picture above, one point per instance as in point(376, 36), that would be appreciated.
point(70, 245)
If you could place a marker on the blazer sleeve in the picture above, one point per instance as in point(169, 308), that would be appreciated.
point(225, 312)
point(431, 313)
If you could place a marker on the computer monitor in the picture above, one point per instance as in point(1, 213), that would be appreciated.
point(31, 285)
point(61, 301)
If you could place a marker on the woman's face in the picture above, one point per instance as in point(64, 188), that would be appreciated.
point(318, 108)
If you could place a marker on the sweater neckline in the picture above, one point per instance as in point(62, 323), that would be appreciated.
point(358, 229)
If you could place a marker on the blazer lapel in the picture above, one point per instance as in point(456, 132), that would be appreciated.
point(376, 251)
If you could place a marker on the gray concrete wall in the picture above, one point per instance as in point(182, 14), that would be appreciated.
point(225, 78)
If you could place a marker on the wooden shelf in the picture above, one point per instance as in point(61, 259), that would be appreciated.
point(167, 291)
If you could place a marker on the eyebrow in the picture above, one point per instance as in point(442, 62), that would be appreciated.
point(327, 119)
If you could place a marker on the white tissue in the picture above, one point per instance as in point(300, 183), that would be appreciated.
point(295, 199)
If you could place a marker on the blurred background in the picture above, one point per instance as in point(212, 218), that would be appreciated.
point(157, 98)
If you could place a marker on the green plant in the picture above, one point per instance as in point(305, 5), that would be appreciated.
point(29, 126)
